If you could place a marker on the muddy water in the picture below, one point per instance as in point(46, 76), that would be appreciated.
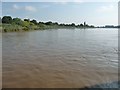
point(60, 58)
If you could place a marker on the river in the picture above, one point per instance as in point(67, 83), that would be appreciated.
point(68, 58)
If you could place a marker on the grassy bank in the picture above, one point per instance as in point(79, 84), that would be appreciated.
point(18, 28)
point(15, 28)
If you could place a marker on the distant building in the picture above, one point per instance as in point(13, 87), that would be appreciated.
point(84, 24)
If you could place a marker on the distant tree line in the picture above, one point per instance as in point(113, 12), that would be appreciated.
point(27, 24)
point(18, 21)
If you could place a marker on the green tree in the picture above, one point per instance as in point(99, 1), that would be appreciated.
point(73, 25)
point(81, 25)
point(49, 23)
point(17, 21)
point(62, 24)
point(41, 23)
point(28, 20)
point(34, 21)
point(55, 23)
point(0, 20)
point(7, 19)
point(25, 24)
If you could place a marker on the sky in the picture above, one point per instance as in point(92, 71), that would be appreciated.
point(93, 13)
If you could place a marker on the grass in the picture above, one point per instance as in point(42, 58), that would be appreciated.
point(17, 28)
point(14, 28)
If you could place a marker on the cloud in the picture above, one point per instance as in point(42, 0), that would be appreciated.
point(108, 8)
point(15, 6)
point(30, 8)
point(27, 8)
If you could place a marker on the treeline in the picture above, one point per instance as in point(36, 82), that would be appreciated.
point(17, 24)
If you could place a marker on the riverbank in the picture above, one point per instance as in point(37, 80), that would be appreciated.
point(9, 24)
point(18, 28)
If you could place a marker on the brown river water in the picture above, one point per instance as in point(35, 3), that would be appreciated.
point(67, 58)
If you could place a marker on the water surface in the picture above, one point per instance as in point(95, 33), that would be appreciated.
point(60, 58)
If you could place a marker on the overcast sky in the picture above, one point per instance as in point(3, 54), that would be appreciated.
point(94, 13)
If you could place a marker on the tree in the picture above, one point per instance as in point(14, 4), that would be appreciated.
point(25, 24)
point(41, 23)
point(28, 20)
point(72, 24)
point(61, 24)
point(17, 21)
point(49, 23)
point(66, 24)
point(0, 20)
point(34, 21)
point(91, 26)
point(7, 19)
point(55, 23)
point(81, 25)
